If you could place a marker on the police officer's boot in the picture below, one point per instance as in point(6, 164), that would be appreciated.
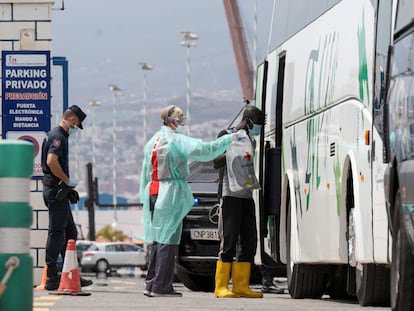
point(52, 280)
point(240, 274)
point(85, 282)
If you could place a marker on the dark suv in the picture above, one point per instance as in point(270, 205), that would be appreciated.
point(197, 256)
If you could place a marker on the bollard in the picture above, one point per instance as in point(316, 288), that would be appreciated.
point(16, 168)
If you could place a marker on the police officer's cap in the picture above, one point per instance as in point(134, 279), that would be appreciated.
point(79, 113)
point(254, 114)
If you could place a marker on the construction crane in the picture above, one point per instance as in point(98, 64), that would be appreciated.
point(240, 47)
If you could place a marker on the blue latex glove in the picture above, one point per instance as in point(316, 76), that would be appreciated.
point(242, 134)
point(239, 135)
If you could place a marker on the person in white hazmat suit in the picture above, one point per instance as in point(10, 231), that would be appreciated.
point(167, 197)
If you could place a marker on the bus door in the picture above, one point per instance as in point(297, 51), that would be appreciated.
point(271, 146)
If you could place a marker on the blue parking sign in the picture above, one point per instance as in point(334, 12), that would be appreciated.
point(25, 91)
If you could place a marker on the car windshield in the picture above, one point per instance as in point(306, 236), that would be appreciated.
point(203, 177)
point(93, 247)
point(83, 247)
point(236, 120)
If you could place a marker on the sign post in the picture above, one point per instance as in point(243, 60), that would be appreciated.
point(26, 99)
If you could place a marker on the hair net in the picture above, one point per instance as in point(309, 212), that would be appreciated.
point(172, 113)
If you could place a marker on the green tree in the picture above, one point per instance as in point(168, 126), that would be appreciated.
point(110, 234)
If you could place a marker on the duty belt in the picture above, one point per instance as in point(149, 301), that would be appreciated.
point(50, 180)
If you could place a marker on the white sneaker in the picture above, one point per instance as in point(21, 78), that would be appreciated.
point(173, 293)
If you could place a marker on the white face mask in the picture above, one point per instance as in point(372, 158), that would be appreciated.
point(73, 130)
point(180, 130)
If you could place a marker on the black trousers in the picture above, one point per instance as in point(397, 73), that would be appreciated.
point(237, 230)
point(61, 225)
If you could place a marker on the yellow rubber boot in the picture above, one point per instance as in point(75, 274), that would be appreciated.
point(222, 281)
point(240, 274)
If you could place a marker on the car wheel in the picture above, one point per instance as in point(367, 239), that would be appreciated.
point(102, 266)
point(198, 283)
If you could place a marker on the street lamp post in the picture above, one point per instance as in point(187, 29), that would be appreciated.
point(94, 104)
point(115, 92)
point(189, 40)
point(145, 67)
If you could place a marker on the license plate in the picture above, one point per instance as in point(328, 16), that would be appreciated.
point(204, 234)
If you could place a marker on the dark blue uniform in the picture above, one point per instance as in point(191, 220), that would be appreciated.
point(61, 225)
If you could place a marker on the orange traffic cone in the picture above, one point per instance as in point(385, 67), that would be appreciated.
point(44, 277)
point(70, 279)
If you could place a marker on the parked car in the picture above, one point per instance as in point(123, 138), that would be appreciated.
point(106, 256)
point(81, 246)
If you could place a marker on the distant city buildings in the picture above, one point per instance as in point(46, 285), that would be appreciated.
point(209, 116)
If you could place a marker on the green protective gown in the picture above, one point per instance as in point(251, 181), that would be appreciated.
point(175, 199)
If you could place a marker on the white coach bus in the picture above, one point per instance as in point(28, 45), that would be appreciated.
point(322, 208)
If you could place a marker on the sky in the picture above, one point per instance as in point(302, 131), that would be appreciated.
point(105, 40)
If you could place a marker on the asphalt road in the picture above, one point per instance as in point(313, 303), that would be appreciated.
point(125, 293)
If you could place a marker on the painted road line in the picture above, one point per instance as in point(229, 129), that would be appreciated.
point(43, 303)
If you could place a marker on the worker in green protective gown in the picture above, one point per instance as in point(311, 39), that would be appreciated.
point(166, 196)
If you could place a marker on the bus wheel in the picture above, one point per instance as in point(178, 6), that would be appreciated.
point(303, 281)
point(367, 274)
point(402, 267)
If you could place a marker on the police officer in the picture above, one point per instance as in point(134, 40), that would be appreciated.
point(58, 190)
